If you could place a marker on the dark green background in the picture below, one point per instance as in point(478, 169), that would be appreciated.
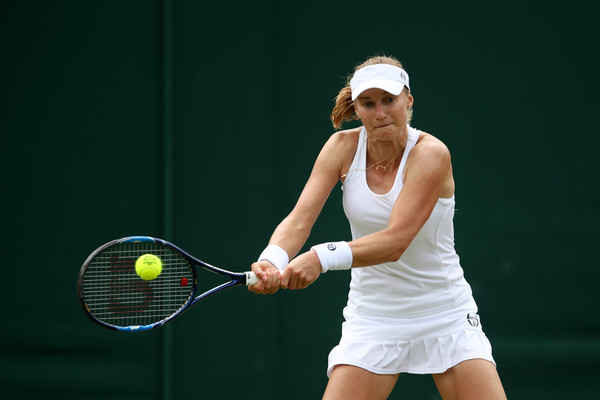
point(199, 122)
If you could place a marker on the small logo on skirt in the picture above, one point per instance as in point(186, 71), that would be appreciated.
point(473, 319)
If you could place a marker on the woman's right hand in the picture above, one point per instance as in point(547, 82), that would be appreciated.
point(269, 278)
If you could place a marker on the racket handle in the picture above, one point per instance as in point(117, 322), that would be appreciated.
point(251, 278)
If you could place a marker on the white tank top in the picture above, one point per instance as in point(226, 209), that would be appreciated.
point(428, 277)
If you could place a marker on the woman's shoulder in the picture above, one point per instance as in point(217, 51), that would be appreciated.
point(430, 144)
point(341, 148)
point(347, 134)
point(346, 139)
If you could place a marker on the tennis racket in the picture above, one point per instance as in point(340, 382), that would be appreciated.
point(115, 296)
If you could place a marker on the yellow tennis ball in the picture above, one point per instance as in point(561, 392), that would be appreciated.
point(148, 267)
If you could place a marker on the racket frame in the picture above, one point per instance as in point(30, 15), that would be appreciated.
point(237, 279)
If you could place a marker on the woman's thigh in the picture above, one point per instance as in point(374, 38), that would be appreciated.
point(348, 382)
point(470, 380)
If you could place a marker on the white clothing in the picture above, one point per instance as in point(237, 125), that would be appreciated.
point(416, 314)
point(428, 277)
point(418, 345)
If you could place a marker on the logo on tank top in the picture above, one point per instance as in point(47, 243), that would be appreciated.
point(473, 319)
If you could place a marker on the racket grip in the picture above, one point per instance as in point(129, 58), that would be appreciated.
point(251, 278)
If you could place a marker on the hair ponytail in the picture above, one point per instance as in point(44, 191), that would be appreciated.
point(344, 108)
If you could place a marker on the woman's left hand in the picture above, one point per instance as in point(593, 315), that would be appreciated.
point(301, 271)
point(269, 278)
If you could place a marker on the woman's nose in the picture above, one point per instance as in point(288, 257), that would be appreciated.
point(380, 111)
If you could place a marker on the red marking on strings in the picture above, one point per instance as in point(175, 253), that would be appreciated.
point(184, 282)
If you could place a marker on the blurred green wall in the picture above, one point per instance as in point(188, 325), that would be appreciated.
point(199, 122)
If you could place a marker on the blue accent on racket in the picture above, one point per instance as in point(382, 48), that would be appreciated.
point(113, 295)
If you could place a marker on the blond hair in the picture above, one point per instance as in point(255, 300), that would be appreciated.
point(344, 106)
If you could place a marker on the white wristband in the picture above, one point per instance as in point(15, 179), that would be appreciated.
point(334, 255)
point(276, 256)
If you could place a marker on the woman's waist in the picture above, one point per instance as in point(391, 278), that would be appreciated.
point(384, 291)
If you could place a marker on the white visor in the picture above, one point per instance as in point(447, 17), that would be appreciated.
point(381, 76)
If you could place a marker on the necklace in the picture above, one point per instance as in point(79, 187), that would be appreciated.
point(376, 165)
point(383, 167)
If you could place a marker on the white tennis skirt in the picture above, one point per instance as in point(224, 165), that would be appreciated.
point(428, 344)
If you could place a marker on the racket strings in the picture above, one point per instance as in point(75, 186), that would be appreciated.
point(115, 294)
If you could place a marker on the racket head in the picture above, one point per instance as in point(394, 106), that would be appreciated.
point(114, 296)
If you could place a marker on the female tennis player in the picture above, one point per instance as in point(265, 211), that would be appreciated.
point(410, 309)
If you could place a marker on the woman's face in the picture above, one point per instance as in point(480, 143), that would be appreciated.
point(383, 114)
